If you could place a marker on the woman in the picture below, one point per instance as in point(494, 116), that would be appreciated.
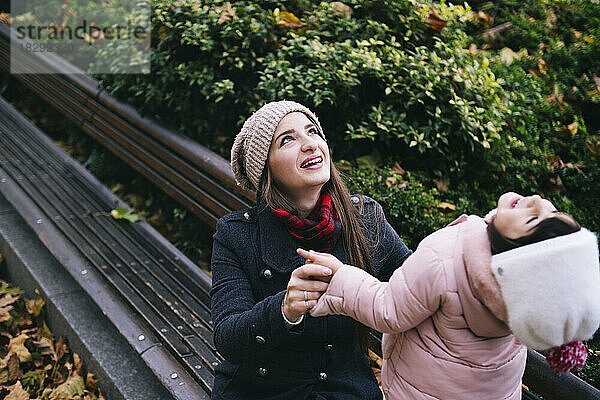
point(272, 348)
point(463, 315)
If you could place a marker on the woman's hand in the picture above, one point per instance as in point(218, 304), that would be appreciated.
point(314, 258)
point(303, 290)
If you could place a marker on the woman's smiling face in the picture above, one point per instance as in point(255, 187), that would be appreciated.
point(518, 215)
point(299, 155)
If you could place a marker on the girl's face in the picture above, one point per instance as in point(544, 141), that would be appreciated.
point(299, 156)
point(518, 215)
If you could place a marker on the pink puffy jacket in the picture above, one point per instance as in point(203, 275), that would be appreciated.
point(442, 318)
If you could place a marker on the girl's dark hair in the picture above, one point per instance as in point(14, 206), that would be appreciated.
point(354, 240)
point(547, 229)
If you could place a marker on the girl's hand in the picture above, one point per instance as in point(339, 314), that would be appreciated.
point(322, 259)
point(303, 290)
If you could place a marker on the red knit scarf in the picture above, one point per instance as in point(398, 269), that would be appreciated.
point(319, 230)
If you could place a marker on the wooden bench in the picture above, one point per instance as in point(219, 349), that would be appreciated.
point(151, 292)
point(196, 177)
point(161, 287)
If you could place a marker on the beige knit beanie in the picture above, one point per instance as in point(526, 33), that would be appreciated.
point(251, 146)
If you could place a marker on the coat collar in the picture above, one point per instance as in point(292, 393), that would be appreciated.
point(479, 287)
point(278, 247)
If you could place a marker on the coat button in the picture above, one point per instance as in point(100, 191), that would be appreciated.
point(355, 199)
point(322, 376)
point(246, 215)
point(262, 372)
point(267, 274)
point(260, 340)
point(328, 347)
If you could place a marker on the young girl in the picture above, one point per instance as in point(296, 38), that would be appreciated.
point(454, 316)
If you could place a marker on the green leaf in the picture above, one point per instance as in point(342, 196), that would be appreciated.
point(123, 213)
point(6, 289)
point(35, 306)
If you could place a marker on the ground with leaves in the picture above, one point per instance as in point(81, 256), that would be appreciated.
point(32, 364)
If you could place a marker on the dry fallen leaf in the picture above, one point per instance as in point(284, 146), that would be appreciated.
point(8, 300)
point(482, 16)
point(557, 184)
point(72, 387)
point(473, 49)
point(10, 358)
point(375, 358)
point(46, 347)
point(341, 10)
point(13, 367)
point(91, 382)
point(227, 14)
point(17, 346)
point(542, 67)
point(34, 306)
point(398, 169)
point(77, 365)
point(435, 21)
point(61, 348)
point(377, 373)
point(5, 18)
point(554, 161)
point(446, 207)
point(162, 32)
point(507, 55)
point(17, 392)
point(442, 184)
point(5, 311)
point(390, 181)
point(593, 147)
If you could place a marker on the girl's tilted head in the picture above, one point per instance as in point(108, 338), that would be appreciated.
point(524, 220)
point(548, 271)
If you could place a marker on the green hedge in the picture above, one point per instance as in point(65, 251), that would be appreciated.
point(559, 41)
point(390, 89)
point(412, 208)
point(379, 77)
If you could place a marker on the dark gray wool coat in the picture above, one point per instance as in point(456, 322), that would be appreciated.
point(252, 261)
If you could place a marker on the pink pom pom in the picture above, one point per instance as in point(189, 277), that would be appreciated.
point(568, 357)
